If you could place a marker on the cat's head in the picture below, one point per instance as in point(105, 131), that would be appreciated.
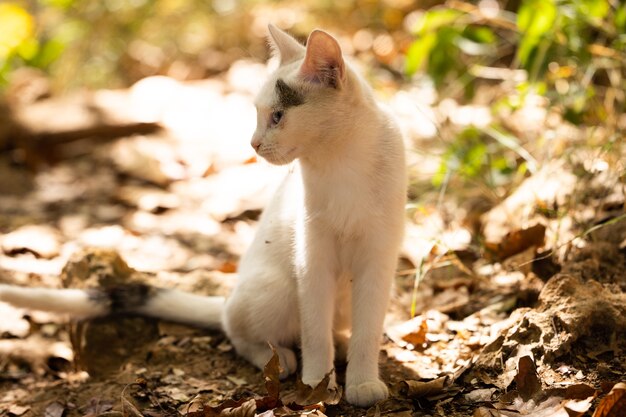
point(304, 101)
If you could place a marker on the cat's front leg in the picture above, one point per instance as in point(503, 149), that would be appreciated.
point(316, 298)
point(371, 286)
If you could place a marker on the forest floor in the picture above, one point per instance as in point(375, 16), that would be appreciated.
point(502, 307)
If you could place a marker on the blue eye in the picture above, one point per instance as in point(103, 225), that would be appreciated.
point(277, 116)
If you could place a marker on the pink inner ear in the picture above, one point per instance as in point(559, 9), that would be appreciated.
point(323, 62)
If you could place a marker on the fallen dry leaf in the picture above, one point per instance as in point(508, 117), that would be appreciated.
point(287, 412)
point(486, 412)
point(516, 241)
point(206, 410)
point(40, 240)
point(579, 392)
point(228, 267)
point(577, 408)
point(18, 410)
point(96, 407)
point(271, 373)
point(531, 400)
point(418, 389)
point(129, 409)
point(528, 384)
point(247, 409)
point(614, 404)
point(320, 394)
point(480, 395)
point(418, 336)
point(54, 409)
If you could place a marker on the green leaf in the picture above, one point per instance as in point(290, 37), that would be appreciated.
point(444, 56)
point(620, 18)
point(536, 17)
point(535, 20)
point(593, 8)
point(48, 53)
point(474, 159)
point(434, 19)
point(418, 53)
point(28, 49)
point(479, 34)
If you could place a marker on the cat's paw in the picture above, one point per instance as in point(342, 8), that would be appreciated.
point(314, 382)
point(366, 393)
point(288, 362)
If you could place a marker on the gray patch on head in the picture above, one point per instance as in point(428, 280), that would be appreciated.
point(288, 96)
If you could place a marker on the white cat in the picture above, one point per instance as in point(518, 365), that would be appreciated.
point(320, 268)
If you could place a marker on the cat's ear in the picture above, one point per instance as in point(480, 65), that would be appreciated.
point(323, 62)
point(285, 45)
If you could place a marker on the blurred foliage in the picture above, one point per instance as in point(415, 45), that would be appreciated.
point(569, 53)
point(113, 43)
point(553, 39)
point(572, 52)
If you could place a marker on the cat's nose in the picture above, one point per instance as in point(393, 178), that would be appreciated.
point(256, 142)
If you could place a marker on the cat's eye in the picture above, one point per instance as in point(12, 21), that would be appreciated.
point(277, 116)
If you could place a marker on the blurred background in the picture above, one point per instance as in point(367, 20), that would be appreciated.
point(125, 129)
point(559, 62)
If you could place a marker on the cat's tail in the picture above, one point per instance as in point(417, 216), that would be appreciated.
point(140, 299)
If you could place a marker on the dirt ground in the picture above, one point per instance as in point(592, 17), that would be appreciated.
point(518, 306)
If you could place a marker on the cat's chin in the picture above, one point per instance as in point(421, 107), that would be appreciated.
point(281, 158)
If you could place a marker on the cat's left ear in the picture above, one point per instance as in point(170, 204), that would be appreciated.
point(323, 62)
point(287, 47)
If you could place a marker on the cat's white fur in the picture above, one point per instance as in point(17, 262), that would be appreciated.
point(320, 267)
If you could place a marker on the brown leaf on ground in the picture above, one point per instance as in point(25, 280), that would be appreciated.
point(531, 400)
point(287, 412)
point(579, 392)
point(271, 373)
point(516, 241)
point(17, 410)
point(35, 351)
point(553, 406)
point(418, 336)
point(96, 407)
point(418, 389)
point(228, 406)
point(614, 404)
point(54, 409)
point(486, 412)
point(247, 409)
point(528, 384)
point(317, 396)
point(129, 409)
point(40, 240)
point(228, 267)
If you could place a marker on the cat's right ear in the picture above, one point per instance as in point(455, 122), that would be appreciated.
point(287, 48)
point(323, 62)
